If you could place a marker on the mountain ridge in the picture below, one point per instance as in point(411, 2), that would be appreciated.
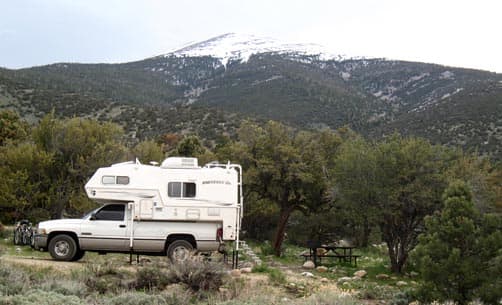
point(374, 96)
point(233, 46)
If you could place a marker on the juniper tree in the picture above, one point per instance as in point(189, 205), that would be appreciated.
point(410, 180)
point(285, 168)
point(392, 184)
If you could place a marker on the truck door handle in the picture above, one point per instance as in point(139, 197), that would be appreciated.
point(121, 226)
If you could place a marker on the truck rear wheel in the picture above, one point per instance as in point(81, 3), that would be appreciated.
point(179, 251)
point(63, 248)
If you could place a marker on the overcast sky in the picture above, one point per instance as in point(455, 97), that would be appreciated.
point(450, 32)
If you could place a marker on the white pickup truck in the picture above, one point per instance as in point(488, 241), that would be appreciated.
point(172, 210)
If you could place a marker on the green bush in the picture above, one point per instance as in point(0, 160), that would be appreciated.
point(64, 287)
point(13, 281)
point(258, 300)
point(151, 278)
point(262, 268)
point(197, 274)
point(40, 297)
point(139, 298)
point(275, 275)
point(233, 288)
point(101, 269)
point(266, 248)
point(404, 297)
point(105, 278)
point(327, 298)
point(370, 290)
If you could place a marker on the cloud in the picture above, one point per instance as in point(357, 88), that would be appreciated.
point(125, 30)
point(7, 32)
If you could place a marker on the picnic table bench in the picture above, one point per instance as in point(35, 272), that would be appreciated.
point(342, 253)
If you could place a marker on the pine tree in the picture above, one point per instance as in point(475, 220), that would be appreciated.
point(455, 255)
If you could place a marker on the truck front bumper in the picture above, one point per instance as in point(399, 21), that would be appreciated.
point(40, 242)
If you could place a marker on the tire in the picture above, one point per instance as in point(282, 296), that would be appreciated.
point(25, 239)
point(179, 251)
point(17, 237)
point(63, 248)
point(78, 256)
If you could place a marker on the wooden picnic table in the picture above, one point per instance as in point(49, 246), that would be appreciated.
point(342, 253)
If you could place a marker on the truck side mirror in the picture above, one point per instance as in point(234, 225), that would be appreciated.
point(93, 216)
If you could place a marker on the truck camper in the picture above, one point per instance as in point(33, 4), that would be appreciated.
point(171, 209)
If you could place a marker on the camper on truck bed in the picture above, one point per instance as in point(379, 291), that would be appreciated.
point(172, 209)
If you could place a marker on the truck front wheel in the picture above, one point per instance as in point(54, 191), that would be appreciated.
point(179, 251)
point(78, 255)
point(63, 248)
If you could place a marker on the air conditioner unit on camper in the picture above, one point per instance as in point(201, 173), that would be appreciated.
point(180, 162)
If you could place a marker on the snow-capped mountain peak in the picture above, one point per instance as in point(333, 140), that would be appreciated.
point(233, 46)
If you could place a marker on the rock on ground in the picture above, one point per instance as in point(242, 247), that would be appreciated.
point(322, 269)
point(246, 270)
point(344, 279)
point(382, 276)
point(321, 251)
point(308, 265)
point(235, 273)
point(360, 273)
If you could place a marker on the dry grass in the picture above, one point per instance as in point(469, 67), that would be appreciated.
point(111, 279)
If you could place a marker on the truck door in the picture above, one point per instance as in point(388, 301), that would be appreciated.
point(105, 229)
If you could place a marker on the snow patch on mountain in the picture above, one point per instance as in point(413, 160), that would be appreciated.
point(231, 47)
point(345, 75)
point(447, 95)
point(257, 82)
point(447, 75)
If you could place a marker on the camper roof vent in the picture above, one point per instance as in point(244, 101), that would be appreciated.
point(180, 162)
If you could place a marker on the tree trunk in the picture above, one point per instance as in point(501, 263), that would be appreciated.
point(281, 228)
point(60, 201)
point(398, 242)
point(393, 260)
point(366, 233)
point(397, 255)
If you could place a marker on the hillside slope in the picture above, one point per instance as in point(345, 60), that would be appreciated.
point(209, 95)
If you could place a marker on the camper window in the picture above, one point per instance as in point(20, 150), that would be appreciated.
point(122, 180)
point(115, 180)
point(178, 189)
point(108, 179)
point(174, 189)
point(188, 189)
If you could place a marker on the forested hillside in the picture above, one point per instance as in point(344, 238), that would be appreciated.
point(375, 97)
